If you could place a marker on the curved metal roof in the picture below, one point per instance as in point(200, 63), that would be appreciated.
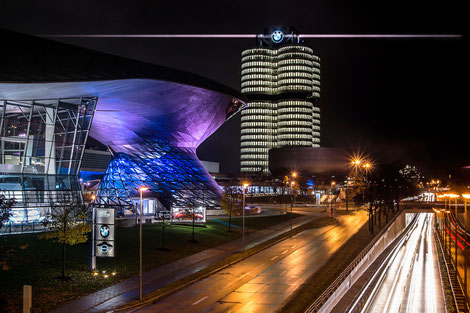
point(135, 99)
point(25, 58)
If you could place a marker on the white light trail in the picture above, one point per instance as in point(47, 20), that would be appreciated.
point(408, 283)
point(245, 36)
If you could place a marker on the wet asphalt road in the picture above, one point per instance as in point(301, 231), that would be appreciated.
point(262, 282)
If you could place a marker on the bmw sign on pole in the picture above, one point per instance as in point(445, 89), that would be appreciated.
point(104, 232)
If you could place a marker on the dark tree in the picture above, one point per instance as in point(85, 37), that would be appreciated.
point(163, 221)
point(228, 203)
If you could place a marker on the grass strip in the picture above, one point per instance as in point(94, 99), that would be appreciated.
point(178, 285)
point(39, 262)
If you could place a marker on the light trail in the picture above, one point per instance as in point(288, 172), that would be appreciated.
point(408, 281)
point(248, 36)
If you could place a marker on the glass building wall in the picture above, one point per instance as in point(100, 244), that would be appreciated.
point(173, 175)
point(41, 147)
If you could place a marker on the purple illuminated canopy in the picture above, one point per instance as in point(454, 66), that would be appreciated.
point(129, 110)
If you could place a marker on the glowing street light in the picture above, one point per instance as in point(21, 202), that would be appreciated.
point(356, 162)
point(141, 190)
point(245, 185)
point(292, 201)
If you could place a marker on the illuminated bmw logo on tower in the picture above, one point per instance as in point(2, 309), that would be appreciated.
point(104, 231)
point(277, 36)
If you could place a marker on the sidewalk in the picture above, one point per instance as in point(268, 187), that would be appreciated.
point(119, 294)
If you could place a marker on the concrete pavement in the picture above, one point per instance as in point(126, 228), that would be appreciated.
point(119, 294)
point(262, 282)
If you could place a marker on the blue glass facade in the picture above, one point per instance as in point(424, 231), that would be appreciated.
point(173, 175)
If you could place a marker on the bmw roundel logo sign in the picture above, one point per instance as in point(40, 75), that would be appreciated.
point(277, 36)
point(104, 231)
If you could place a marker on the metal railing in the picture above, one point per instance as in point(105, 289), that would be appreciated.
point(23, 228)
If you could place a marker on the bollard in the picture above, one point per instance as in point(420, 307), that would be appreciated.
point(27, 298)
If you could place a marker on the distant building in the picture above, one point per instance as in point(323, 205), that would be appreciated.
point(281, 79)
point(211, 167)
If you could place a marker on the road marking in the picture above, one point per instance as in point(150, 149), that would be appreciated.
point(284, 251)
point(294, 246)
point(273, 258)
point(200, 300)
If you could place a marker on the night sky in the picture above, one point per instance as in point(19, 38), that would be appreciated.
point(399, 99)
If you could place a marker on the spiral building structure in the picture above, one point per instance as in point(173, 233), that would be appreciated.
point(281, 79)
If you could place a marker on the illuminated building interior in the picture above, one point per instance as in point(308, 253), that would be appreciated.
point(42, 143)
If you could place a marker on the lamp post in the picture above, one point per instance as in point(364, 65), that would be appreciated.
point(454, 196)
point(286, 182)
point(141, 189)
point(245, 185)
point(465, 198)
point(333, 184)
point(446, 243)
point(93, 218)
point(292, 201)
point(355, 162)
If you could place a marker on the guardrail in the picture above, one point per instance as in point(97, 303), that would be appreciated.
point(323, 298)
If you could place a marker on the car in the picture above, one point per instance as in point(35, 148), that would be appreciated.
point(253, 209)
point(183, 215)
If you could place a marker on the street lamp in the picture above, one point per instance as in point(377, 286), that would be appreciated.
point(291, 202)
point(355, 162)
point(446, 237)
point(465, 198)
point(286, 181)
point(454, 196)
point(93, 217)
point(331, 197)
point(141, 190)
point(245, 185)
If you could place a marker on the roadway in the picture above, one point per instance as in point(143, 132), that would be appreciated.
point(410, 281)
point(262, 282)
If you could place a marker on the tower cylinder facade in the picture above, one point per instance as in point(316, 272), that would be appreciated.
point(281, 82)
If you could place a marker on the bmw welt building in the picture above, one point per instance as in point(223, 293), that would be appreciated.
point(54, 96)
